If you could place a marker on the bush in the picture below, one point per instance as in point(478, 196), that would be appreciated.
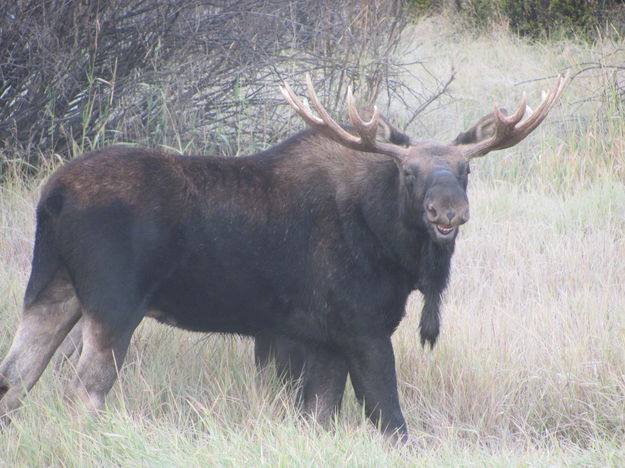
point(193, 75)
point(544, 17)
point(536, 18)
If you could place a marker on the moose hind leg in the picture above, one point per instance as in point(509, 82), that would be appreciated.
point(288, 355)
point(71, 347)
point(323, 372)
point(103, 351)
point(43, 326)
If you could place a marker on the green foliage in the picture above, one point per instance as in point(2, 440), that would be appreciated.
point(535, 18)
point(479, 13)
point(422, 6)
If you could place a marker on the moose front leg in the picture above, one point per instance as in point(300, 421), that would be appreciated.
point(323, 385)
point(372, 371)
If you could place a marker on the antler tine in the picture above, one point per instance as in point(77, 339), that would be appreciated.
point(514, 118)
point(545, 106)
point(329, 121)
point(367, 130)
point(511, 130)
point(366, 139)
point(297, 104)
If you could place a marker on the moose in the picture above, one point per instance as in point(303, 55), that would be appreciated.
point(318, 241)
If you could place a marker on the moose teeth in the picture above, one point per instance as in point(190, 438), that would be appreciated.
point(444, 229)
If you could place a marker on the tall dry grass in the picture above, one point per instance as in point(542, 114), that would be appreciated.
point(530, 366)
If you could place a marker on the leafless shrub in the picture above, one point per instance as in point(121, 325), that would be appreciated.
point(193, 75)
point(611, 72)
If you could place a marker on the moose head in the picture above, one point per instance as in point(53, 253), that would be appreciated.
point(434, 175)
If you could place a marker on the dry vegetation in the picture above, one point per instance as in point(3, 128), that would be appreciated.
point(530, 367)
point(194, 76)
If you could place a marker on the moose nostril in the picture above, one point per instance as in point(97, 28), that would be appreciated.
point(450, 215)
point(432, 209)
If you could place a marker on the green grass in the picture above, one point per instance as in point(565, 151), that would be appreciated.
point(530, 366)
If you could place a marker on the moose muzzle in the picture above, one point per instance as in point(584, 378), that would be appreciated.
point(445, 208)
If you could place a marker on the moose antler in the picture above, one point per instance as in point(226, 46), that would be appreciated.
point(510, 130)
point(366, 138)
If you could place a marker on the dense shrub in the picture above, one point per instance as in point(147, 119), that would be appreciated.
point(536, 18)
point(541, 17)
point(195, 75)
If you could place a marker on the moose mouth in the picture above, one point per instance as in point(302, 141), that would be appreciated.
point(444, 229)
point(443, 233)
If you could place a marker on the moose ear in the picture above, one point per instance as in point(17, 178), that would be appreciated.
point(392, 134)
point(386, 131)
point(484, 128)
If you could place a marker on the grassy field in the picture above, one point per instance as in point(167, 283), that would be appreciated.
point(530, 366)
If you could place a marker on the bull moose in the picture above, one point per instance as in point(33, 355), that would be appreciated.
point(319, 240)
